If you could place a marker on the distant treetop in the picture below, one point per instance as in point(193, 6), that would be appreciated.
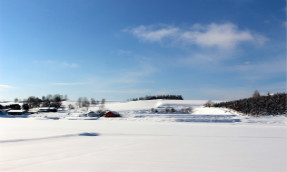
point(167, 97)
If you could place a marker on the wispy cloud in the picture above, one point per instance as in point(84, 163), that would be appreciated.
point(263, 68)
point(122, 81)
point(69, 83)
point(223, 36)
point(203, 58)
point(59, 63)
point(124, 52)
point(6, 86)
point(132, 76)
point(153, 33)
point(70, 65)
point(135, 91)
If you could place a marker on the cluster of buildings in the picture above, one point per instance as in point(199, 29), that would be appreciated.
point(11, 108)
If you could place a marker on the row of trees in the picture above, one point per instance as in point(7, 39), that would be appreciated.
point(45, 101)
point(167, 97)
point(12, 106)
point(258, 105)
point(172, 110)
point(84, 102)
point(52, 101)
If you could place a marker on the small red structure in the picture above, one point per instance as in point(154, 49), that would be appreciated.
point(112, 114)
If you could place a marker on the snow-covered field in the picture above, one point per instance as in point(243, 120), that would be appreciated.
point(208, 140)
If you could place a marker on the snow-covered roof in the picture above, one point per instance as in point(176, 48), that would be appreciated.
point(10, 103)
point(114, 112)
point(17, 111)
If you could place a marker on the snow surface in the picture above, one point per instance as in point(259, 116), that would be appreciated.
point(208, 140)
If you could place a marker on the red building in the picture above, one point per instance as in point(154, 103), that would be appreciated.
point(112, 114)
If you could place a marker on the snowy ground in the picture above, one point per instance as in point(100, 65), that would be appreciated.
point(208, 140)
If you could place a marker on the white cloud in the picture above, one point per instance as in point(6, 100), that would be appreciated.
point(223, 36)
point(5, 86)
point(152, 34)
point(217, 35)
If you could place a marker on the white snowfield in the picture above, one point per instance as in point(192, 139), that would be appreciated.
point(207, 140)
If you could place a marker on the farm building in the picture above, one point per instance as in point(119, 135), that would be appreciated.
point(93, 114)
point(16, 112)
point(111, 114)
point(48, 109)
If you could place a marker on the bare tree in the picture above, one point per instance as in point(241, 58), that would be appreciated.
point(167, 110)
point(80, 102)
point(70, 106)
point(209, 103)
point(93, 101)
point(16, 100)
point(256, 94)
point(189, 110)
point(85, 103)
point(102, 105)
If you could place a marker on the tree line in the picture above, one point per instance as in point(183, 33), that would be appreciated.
point(45, 101)
point(84, 102)
point(167, 97)
point(52, 101)
point(258, 105)
point(35, 102)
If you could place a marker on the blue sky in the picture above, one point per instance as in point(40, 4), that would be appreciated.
point(121, 49)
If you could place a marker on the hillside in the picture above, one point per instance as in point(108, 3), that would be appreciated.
point(258, 106)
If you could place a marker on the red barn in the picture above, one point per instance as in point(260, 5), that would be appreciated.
point(112, 114)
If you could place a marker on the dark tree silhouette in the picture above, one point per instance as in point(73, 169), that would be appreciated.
point(167, 97)
point(262, 105)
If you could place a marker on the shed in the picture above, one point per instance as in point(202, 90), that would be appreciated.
point(16, 112)
point(93, 114)
point(112, 114)
point(48, 109)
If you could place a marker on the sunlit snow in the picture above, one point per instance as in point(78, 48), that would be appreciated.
point(207, 140)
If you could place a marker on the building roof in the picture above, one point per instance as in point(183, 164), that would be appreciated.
point(16, 111)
